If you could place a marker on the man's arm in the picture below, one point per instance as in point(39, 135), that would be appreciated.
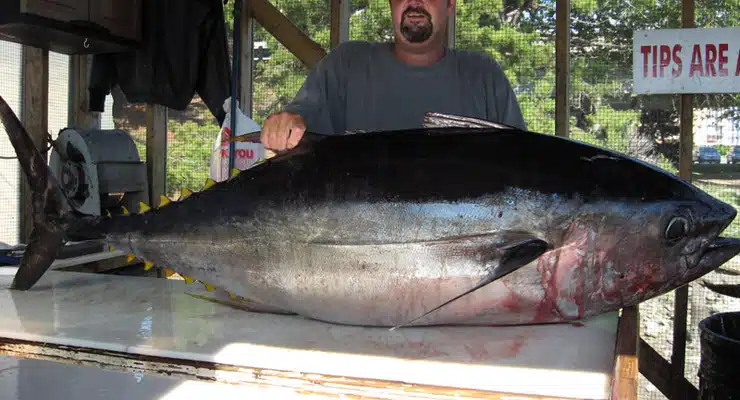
point(317, 107)
point(320, 99)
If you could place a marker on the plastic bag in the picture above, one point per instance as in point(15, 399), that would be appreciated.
point(245, 154)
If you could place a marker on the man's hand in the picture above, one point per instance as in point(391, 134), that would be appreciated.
point(282, 131)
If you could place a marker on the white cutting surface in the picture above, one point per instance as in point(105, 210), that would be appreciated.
point(155, 317)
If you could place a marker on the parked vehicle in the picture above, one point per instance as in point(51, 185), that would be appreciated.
point(733, 155)
point(707, 155)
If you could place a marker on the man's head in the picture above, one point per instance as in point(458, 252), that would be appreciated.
point(420, 23)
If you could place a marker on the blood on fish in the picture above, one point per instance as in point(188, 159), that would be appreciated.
point(512, 302)
point(566, 262)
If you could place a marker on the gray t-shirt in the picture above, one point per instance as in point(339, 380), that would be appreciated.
point(363, 86)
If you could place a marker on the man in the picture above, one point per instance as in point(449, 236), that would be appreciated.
point(388, 86)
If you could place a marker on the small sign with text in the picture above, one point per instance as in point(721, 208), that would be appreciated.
point(697, 60)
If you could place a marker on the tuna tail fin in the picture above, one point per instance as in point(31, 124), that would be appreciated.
point(47, 235)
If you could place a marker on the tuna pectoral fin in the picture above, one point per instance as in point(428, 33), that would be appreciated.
point(512, 256)
point(47, 234)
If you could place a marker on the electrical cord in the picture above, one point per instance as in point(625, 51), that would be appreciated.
point(49, 144)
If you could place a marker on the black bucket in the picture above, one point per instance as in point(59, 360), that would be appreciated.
point(719, 368)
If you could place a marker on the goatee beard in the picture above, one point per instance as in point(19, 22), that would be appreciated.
point(416, 32)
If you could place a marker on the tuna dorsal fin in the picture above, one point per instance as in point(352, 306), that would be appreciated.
point(440, 120)
point(513, 255)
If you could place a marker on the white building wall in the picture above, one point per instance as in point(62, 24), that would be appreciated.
point(712, 129)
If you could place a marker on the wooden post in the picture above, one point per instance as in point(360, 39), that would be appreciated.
point(79, 113)
point(562, 67)
point(34, 116)
point(339, 23)
point(156, 151)
point(334, 23)
point(247, 60)
point(156, 159)
point(680, 305)
point(452, 30)
point(625, 379)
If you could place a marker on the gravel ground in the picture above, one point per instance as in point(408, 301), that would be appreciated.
point(656, 323)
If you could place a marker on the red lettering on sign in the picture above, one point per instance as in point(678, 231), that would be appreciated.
point(244, 153)
point(662, 57)
point(696, 63)
point(677, 60)
point(645, 50)
point(723, 59)
point(711, 54)
point(665, 58)
point(239, 153)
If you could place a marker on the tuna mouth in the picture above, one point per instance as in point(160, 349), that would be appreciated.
point(719, 251)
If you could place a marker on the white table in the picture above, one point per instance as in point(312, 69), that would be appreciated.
point(151, 326)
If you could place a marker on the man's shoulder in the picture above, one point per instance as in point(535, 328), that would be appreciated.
point(475, 59)
point(354, 48)
point(352, 54)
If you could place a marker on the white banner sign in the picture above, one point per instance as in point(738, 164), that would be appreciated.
point(701, 60)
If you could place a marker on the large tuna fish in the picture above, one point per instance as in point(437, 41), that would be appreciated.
point(461, 225)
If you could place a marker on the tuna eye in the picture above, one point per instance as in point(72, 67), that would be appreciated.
point(677, 228)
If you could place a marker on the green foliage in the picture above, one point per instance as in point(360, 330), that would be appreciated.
point(188, 155)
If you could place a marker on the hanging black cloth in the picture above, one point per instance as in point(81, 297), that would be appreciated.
point(184, 50)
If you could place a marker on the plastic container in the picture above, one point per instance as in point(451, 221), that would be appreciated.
point(719, 368)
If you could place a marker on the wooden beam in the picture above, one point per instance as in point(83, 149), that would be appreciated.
point(79, 115)
point(278, 25)
point(680, 305)
point(562, 67)
point(625, 379)
point(658, 371)
point(34, 116)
